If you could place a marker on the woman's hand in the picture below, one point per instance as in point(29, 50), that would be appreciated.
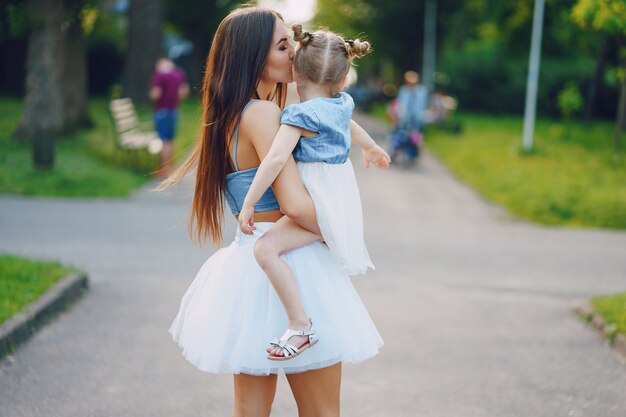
point(246, 219)
point(375, 155)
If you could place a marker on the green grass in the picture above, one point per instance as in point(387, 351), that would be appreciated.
point(569, 179)
point(612, 308)
point(23, 281)
point(87, 163)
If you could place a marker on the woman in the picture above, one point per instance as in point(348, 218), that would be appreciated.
point(230, 311)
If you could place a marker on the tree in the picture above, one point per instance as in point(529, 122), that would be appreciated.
point(44, 113)
point(609, 17)
point(144, 46)
point(75, 62)
point(197, 27)
point(56, 88)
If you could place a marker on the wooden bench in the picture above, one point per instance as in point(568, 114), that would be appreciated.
point(129, 132)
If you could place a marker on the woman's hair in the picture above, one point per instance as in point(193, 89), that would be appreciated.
point(238, 55)
point(324, 57)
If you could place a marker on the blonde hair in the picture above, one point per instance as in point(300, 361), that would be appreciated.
point(324, 57)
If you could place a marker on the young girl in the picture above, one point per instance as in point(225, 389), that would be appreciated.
point(317, 132)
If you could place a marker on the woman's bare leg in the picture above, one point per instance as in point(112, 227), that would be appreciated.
point(284, 236)
point(253, 395)
point(317, 392)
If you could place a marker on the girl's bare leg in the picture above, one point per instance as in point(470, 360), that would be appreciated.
point(284, 236)
point(317, 392)
point(253, 395)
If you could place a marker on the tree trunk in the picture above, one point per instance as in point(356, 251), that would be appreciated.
point(144, 47)
point(44, 105)
point(595, 81)
point(75, 78)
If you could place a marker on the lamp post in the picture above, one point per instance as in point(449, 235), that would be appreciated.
point(533, 76)
point(430, 39)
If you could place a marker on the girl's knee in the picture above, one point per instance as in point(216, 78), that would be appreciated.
point(265, 252)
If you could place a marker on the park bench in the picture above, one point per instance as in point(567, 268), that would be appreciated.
point(129, 132)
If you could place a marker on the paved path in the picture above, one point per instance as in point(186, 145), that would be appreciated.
point(475, 309)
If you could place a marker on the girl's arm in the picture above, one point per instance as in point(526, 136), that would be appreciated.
point(372, 153)
point(285, 141)
point(261, 126)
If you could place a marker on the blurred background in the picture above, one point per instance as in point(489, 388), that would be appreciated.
point(521, 127)
point(63, 61)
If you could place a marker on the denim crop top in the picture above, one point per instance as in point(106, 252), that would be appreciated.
point(238, 183)
point(330, 118)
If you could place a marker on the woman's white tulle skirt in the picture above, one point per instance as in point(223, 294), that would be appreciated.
point(335, 194)
point(230, 312)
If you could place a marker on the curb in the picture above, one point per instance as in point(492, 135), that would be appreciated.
point(23, 325)
point(616, 340)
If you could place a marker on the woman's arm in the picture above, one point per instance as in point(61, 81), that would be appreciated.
point(261, 126)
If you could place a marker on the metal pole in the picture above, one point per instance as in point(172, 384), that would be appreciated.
point(533, 76)
point(430, 39)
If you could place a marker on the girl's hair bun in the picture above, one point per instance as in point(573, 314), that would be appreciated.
point(357, 48)
point(299, 36)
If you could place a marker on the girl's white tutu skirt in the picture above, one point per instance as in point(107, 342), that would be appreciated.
point(230, 312)
point(335, 194)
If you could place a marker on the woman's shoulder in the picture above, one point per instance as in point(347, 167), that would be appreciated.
point(259, 113)
point(260, 116)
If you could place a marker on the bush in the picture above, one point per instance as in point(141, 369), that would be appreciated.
point(569, 100)
point(485, 78)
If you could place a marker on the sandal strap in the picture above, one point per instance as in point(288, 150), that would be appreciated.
point(289, 333)
point(288, 349)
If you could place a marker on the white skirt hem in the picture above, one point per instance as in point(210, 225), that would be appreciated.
point(230, 312)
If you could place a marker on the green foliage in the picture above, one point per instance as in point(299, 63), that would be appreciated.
point(483, 46)
point(484, 76)
point(612, 308)
point(17, 19)
point(78, 171)
point(602, 15)
point(23, 281)
point(88, 164)
point(572, 181)
point(570, 100)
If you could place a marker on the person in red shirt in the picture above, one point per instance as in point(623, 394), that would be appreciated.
point(169, 85)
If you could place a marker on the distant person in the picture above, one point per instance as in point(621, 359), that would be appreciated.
point(169, 85)
point(409, 114)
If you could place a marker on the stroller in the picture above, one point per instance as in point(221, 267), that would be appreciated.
point(405, 139)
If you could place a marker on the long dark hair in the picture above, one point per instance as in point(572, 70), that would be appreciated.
point(234, 66)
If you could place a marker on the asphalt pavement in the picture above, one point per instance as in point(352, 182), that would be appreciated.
point(475, 308)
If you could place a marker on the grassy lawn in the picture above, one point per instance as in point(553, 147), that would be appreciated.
point(87, 164)
point(23, 281)
point(570, 179)
point(612, 308)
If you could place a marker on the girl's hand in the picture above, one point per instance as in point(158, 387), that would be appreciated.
point(376, 156)
point(246, 219)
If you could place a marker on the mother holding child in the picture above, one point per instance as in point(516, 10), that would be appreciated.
point(299, 240)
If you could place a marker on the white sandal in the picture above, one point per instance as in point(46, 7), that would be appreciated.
point(290, 351)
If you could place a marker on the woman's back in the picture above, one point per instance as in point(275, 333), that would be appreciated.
point(258, 124)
